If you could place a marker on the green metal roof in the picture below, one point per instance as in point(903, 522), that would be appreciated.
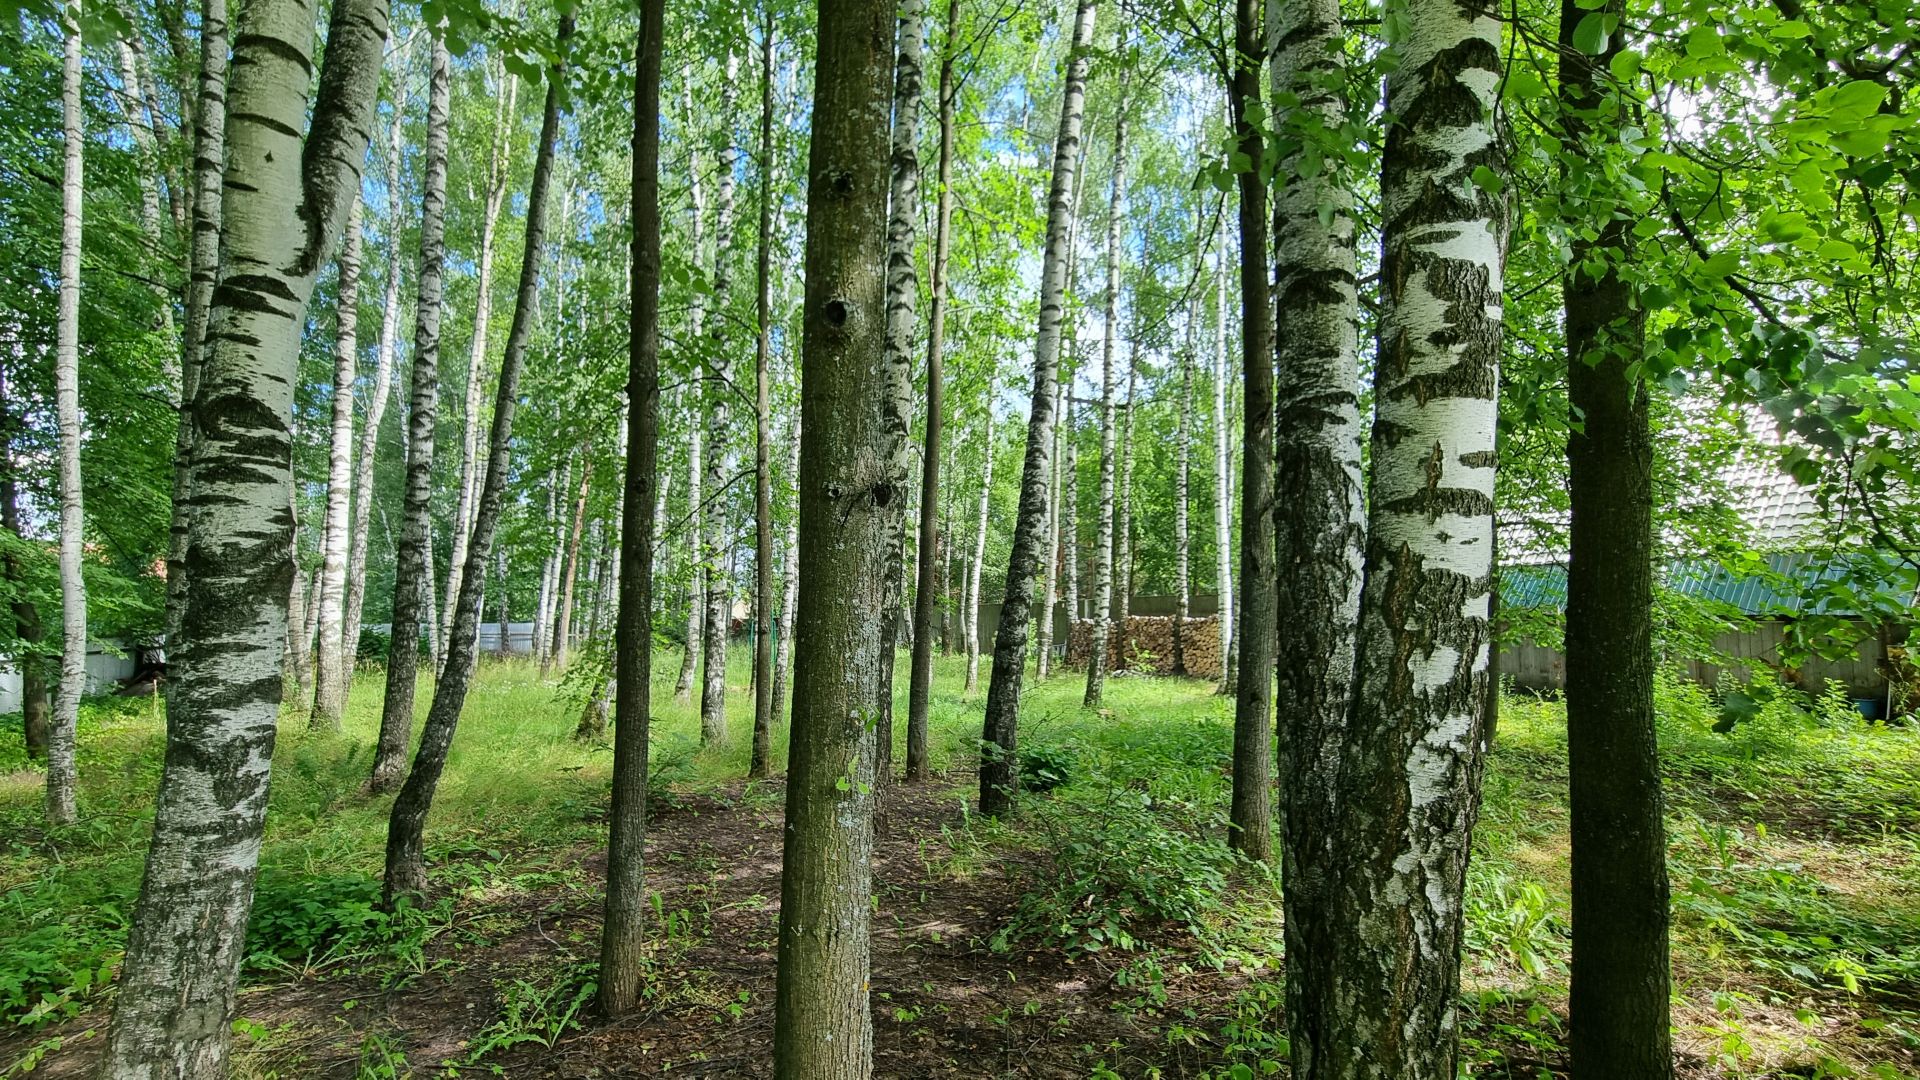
point(1782, 583)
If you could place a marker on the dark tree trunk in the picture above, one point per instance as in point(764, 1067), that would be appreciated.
point(406, 829)
point(412, 564)
point(999, 768)
point(823, 1027)
point(1251, 819)
point(1622, 1024)
point(761, 764)
point(623, 941)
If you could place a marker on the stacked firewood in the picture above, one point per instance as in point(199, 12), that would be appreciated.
point(1146, 646)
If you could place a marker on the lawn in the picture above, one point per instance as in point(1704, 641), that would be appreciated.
point(1104, 932)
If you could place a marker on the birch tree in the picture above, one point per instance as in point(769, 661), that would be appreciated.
point(1320, 511)
point(1250, 829)
point(999, 770)
point(406, 872)
point(499, 162)
point(903, 291)
point(376, 411)
point(1222, 473)
point(203, 264)
point(413, 569)
point(66, 373)
point(1425, 634)
point(1103, 542)
point(850, 478)
point(330, 676)
point(717, 620)
point(173, 1013)
point(761, 764)
point(926, 595)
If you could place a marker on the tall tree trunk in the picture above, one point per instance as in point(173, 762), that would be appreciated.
point(718, 619)
point(298, 651)
point(136, 109)
point(623, 941)
point(696, 601)
point(383, 387)
point(970, 629)
point(1123, 509)
point(203, 265)
point(1049, 566)
point(1622, 1023)
point(1425, 636)
point(790, 589)
point(1182, 468)
point(330, 676)
point(851, 478)
point(547, 573)
point(412, 563)
point(499, 168)
point(1222, 476)
point(563, 623)
point(761, 764)
point(34, 704)
point(1319, 506)
point(903, 292)
point(73, 521)
point(1070, 515)
point(927, 593)
point(696, 439)
point(368, 450)
point(1103, 542)
point(406, 872)
point(1250, 828)
point(173, 1013)
point(999, 770)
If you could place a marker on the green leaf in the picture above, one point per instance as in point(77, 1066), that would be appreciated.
point(1858, 100)
point(1702, 41)
point(1722, 264)
point(1590, 35)
point(1625, 65)
point(1791, 29)
point(1487, 180)
point(1837, 250)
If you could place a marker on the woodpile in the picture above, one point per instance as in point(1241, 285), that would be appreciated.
point(1146, 646)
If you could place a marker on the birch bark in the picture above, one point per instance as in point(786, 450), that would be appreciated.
point(73, 585)
point(717, 621)
point(970, 628)
point(285, 203)
point(330, 677)
point(999, 771)
point(1103, 542)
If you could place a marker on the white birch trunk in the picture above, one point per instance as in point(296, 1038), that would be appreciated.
point(73, 586)
point(718, 619)
point(505, 123)
point(330, 677)
point(1103, 545)
point(970, 629)
point(1222, 470)
point(284, 206)
point(366, 453)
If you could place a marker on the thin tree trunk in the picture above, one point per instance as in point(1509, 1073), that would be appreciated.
point(1622, 1023)
point(505, 123)
point(1222, 476)
point(406, 872)
point(557, 565)
point(1123, 510)
point(970, 629)
point(1425, 636)
point(73, 522)
point(1097, 663)
point(761, 764)
point(718, 619)
point(696, 602)
point(330, 677)
point(1182, 457)
point(903, 291)
point(173, 1012)
point(539, 643)
point(927, 593)
point(1250, 830)
point(1070, 514)
point(623, 941)
point(1319, 506)
point(137, 111)
point(790, 589)
point(1049, 567)
point(999, 770)
point(850, 481)
point(368, 450)
point(412, 563)
point(563, 625)
point(203, 264)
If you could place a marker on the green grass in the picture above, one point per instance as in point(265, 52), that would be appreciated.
point(1793, 857)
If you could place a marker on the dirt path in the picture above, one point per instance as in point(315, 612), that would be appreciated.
point(945, 1005)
